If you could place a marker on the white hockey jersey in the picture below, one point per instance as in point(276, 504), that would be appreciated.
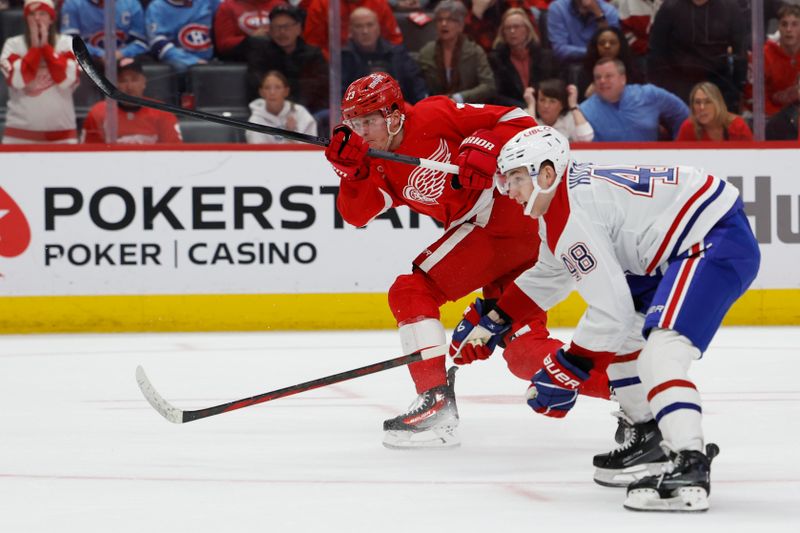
point(609, 221)
point(41, 108)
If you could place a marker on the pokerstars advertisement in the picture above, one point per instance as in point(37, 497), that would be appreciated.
point(120, 223)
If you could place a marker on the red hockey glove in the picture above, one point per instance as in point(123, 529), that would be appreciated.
point(347, 153)
point(477, 161)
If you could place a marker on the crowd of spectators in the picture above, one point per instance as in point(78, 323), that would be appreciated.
point(617, 70)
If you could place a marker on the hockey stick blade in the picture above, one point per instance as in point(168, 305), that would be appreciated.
point(165, 409)
point(110, 90)
point(179, 416)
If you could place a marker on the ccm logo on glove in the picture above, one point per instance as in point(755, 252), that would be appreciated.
point(559, 375)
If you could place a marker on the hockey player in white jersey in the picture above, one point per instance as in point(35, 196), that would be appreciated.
point(659, 254)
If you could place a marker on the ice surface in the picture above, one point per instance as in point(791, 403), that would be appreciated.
point(82, 451)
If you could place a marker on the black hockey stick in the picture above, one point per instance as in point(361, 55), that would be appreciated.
point(179, 416)
point(111, 91)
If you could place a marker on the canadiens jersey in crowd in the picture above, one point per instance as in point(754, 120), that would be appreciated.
point(85, 18)
point(613, 221)
point(141, 126)
point(236, 19)
point(180, 31)
point(433, 130)
point(40, 107)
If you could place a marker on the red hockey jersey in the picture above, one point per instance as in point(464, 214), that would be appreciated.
point(434, 129)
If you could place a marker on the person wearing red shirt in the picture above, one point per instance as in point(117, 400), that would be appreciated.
point(135, 124)
point(237, 22)
point(487, 240)
point(316, 28)
point(782, 62)
point(710, 120)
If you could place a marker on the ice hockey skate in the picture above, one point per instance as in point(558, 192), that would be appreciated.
point(431, 420)
point(683, 486)
point(640, 455)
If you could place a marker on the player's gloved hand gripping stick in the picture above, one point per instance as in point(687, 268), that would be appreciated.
point(110, 90)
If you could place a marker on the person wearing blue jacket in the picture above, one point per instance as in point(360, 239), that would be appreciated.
point(572, 23)
point(85, 18)
point(621, 112)
point(179, 31)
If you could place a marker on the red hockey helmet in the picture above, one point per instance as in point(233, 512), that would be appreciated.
point(376, 92)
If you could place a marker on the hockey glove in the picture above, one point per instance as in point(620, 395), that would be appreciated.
point(554, 388)
point(477, 335)
point(347, 153)
point(477, 161)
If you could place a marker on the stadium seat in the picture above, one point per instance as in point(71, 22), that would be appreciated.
point(414, 35)
point(85, 96)
point(3, 99)
point(11, 23)
point(220, 87)
point(162, 82)
point(199, 131)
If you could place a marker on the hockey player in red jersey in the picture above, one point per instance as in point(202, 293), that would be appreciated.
point(486, 244)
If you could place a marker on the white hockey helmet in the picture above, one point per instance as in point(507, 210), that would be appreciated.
point(530, 148)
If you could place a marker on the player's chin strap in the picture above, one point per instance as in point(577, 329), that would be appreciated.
point(391, 133)
point(538, 190)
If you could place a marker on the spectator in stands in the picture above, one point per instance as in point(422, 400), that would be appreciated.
point(409, 5)
point(782, 62)
point(241, 25)
point(179, 31)
point(41, 74)
point(607, 42)
point(518, 60)
point(621, 112)
point(135, 124)
point(302, 64)
point(698, 40)
point(784, 125)
point(571, 24)
point(316, 32)
point(452, 64)
point(86, 18)
point(556, 104)
point(635, 18)
point(276, 110)
point(483, 21)
point(710, 119)
point(367, 52)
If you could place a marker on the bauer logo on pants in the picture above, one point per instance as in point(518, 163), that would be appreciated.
point(15, 233)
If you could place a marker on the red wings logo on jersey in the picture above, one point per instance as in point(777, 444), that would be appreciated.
point(425, 185)
point(40, 83)
point(195, 37)
point(15, 233)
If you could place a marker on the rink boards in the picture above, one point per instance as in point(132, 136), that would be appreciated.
point(209, 238)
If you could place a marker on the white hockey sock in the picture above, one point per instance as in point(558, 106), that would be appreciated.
point(623, 376)
point(674, 400)
point(424, 333)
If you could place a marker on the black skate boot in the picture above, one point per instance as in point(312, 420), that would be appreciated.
point(639, 456)
point(683, 486)
point(624, 425)
point(430, 421)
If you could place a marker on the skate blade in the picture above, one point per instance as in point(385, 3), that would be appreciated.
point(622, 478)
point(687, 500)
point(438, 438)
